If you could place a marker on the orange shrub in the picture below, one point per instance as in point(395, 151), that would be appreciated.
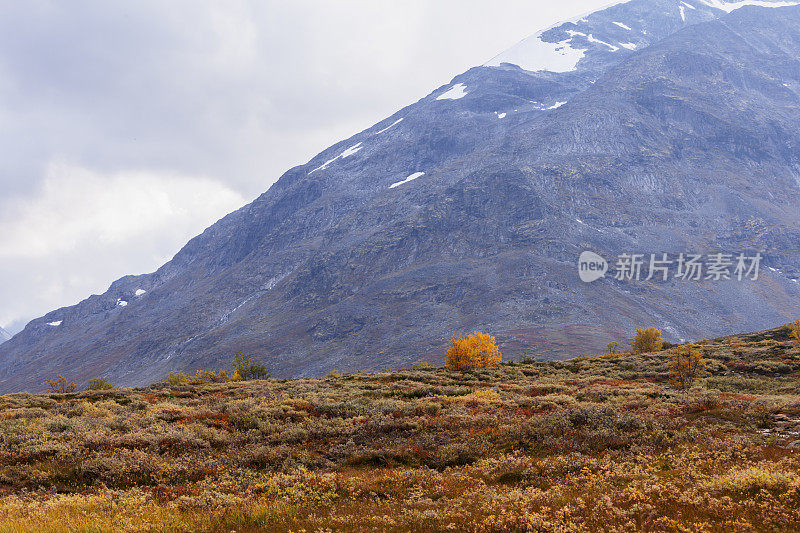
point(794, 330)
point(60, 385)
point(473, 351)
point(647, 340)
point(202, 377)
point(685, 366)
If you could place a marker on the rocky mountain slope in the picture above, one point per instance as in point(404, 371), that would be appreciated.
point(648, 127)
point(4, 335)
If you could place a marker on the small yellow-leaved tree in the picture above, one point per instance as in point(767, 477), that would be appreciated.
point(685, 366)
point(478, 350)
point(60, 385)
point(647, 340)
point(794, 330)
point(248, 369)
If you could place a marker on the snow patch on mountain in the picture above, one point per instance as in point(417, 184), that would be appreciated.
point(140, 292)
point(350, 151)
point(393, 124)
point(347, 153)
point(729, 7)
point(593, 39)
point(412, 177)
point(534, 54)
point(537, 53)
point(549, 51)
point(457, 91)
point(56, 323)
point(121, 302)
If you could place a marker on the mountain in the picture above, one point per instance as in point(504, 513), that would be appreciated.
point(655, 127)
point(4, 335)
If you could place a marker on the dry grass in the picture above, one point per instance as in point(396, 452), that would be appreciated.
point(594, 444)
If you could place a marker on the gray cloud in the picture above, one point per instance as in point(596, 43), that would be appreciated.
point(184, 110)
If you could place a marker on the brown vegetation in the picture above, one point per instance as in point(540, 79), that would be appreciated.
point(592, 444)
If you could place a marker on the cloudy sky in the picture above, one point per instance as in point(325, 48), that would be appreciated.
point(128, 127)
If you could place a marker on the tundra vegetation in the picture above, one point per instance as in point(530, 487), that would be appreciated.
point(605, 443)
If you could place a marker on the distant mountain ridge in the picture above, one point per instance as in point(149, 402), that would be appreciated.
point(4, 335)
point(661, 126)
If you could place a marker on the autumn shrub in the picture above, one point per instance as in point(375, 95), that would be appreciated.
point(263, 457)
point(685, 366)
point(100, 383)
point(478, 350)
point(60, 385)
point(248, 369)
point(119, 424)
point(583, 429)
point(28, 413)
point(57, 424)
point(177, 378)
point(244, 421)
point(647, 340)
point(340, 409)
point(481, 397)
point(794, 330)
point(543, 388)
point(201, 377)
point(120, 469)
point(752, 480)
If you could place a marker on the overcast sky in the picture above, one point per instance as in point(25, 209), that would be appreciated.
point(128, 127)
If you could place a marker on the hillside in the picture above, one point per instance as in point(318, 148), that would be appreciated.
point(660, 126)
point(589, 444)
